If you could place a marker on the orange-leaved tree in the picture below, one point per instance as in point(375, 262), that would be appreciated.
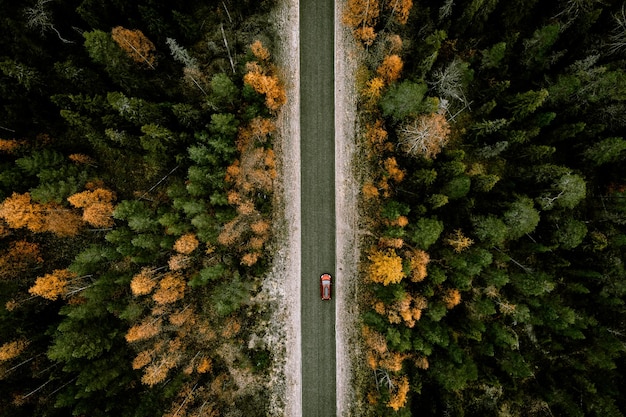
point(10, 145)
point(267, 84)
point(97, 206)
point(451, 298)
point(389, 70)
point(18, 257)
point(385, 267)
point(11, 350)
point(251, 175)
point(374, 89)
point(138, 47)
point(145, 330)
point(376, 345)
point(171, 288)
point(53, 285)
point(262, 77)
point(144, 281)
point(186, 244)
point(369, 190)
point(20, 211)
point(398, 396)
point(259, 51)
point(393, 171)
point(376, 136)
point(408, 310)
point(361, 16)
point(82, 159)
point(400, 9)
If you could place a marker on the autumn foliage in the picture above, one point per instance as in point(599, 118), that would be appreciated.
point(143, 282)
point(20, 211)
point(259, 51)
point(385, 267)
point(171, 288)
point(186, 244)
point(376, 136)
point(145, 330)
point(136, 45)
point(400, 9)
point(263, 79)
point(251, 175)
point(97, 206)
point(54, 285)
point(389, 70)
point(20, 256)
point(425, 136)
point(10, 145)
point(451, 298)
point(11, 350)
point(459, 241)
point(418, 260)
point(399, 396)
point(374, 89)
point(362, 16)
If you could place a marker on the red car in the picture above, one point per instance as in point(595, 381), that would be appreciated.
point(325, 291)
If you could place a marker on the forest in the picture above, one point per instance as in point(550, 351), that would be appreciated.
point(136, 197)
point(136, 181)
point(495, 192)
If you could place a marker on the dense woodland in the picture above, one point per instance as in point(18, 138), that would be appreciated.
point(136, 176)
point(495, 189)
point(136, 173)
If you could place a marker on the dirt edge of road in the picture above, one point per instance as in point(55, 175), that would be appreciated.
point(282, 285)
point(347, 191)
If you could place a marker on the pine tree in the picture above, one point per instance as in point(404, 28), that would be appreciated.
point(521, 218)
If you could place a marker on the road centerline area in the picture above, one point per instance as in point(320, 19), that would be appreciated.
point(317, 150)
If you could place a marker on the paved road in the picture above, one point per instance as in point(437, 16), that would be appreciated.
point(317, 151)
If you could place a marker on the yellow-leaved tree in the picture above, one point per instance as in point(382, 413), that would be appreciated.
point(385, 267)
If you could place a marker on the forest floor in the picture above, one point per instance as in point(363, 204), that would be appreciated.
point(282, 286)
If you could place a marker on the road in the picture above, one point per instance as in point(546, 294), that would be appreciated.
point(317, 150)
